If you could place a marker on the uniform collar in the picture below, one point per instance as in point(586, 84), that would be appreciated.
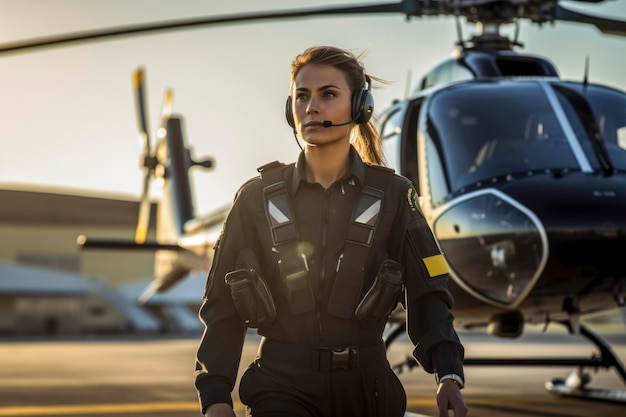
point(357, 170)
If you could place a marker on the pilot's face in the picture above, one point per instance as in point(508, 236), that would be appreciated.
point(321, 93)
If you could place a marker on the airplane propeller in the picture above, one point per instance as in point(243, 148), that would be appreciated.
point(150, 158)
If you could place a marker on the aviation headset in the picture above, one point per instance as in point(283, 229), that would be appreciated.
point(362, 105)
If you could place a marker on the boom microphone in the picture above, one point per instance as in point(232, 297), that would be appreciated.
point(328, 123)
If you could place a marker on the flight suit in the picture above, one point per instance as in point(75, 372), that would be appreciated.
point(315, 363)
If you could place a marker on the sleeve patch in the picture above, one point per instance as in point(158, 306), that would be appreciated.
point(411, 199)
point(436, 265)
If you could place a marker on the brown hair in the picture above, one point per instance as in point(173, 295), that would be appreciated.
point(367, 139)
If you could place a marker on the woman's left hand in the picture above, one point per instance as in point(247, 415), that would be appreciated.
point(449, 397)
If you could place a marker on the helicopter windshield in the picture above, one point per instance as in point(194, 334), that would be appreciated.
point(483, 130)
point(605, 106)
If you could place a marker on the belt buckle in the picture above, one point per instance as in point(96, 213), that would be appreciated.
point(338, 358)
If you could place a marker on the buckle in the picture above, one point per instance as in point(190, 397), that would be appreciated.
point(330, 359)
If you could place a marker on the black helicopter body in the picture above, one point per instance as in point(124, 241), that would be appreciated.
point(523, 189)
point(521, 176)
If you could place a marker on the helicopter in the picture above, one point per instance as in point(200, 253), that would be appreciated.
point(521, 176)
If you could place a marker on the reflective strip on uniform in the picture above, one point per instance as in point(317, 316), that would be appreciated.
point(368, 215)
point(276, 214)
point(436, 265)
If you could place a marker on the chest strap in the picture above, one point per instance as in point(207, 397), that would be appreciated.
point(292, 265)
point(364, 223)
point(277, 204)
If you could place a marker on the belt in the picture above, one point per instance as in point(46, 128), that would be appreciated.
point(323, 359)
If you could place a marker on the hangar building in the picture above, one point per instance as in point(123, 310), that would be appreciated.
point(49, 286)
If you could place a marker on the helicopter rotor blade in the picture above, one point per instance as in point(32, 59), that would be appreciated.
point(408, 7)
point(606, 25)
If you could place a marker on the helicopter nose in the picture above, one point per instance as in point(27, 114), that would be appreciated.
point(496, 247)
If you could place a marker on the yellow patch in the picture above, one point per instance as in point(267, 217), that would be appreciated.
point(436, 265)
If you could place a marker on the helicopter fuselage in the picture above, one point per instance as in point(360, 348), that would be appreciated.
point(523, 181)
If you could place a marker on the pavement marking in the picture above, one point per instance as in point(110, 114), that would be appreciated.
point(153, 407)
point(83, 409)
point(421, 402)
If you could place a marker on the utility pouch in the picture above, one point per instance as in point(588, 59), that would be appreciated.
point(251, 297)
point(383, 295)
point(297, 287)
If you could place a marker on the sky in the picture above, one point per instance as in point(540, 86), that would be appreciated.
point(68, 113)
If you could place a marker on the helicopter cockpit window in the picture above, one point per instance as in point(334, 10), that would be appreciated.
point(609, 111)
point(485, 135)
point(446, 72)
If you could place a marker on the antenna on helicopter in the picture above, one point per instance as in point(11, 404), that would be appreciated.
point(459, 32)
point(407, 84)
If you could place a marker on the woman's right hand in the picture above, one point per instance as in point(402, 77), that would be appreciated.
point(220, 410)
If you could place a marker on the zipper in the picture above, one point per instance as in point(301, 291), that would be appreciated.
point(325, 218)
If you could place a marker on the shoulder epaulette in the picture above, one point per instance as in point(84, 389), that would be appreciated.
point(380, 167)
point(273, 164)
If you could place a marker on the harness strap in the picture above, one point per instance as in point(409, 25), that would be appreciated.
point(277, 203)
point(293, 266)
point(281, 220)
point(347, 288)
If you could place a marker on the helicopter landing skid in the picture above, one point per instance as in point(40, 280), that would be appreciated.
point(559, 387)
point(576, 383)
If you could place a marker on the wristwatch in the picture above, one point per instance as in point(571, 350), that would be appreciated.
point(454, 378)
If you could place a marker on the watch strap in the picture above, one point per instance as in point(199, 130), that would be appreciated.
point(455, 378)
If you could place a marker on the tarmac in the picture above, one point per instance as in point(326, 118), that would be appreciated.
point(135, 376)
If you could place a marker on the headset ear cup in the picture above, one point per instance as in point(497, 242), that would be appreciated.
point(362, 106)
point(289, 113)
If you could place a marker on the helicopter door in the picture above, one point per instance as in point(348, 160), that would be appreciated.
point(399, 136)
point(390, 134)
point(410, 154)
